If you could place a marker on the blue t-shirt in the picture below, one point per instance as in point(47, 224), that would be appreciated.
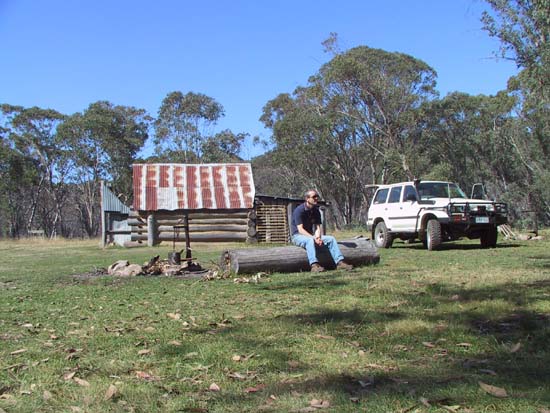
point(307, 217)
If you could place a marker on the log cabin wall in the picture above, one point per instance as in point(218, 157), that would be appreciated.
point(217, 200)
point(155, 227)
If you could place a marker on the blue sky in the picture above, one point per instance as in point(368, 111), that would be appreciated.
point(67, 54)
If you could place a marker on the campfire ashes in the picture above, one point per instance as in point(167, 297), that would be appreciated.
point(154, 267)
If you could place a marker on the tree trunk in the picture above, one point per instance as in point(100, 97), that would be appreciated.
point(360, 251)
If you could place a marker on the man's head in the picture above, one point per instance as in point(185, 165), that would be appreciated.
point(312, 198)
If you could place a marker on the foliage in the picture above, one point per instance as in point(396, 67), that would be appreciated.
point(464, 137)
point(105, 141)
point(32, 139)
point(523, 27)
point(224, 146)
point(183, 123)
point(354, 124)
point(17, 174)
point(418, 332)
point(272, 177)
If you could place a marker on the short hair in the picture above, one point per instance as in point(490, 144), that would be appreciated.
point(309, 191)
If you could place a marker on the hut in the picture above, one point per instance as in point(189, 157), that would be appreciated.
point(114, 218)
point(217, 203)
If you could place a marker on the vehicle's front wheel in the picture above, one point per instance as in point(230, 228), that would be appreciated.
point(382, 237)
point(489, 238)
point(433, 234)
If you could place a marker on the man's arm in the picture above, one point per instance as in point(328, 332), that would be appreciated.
point(303, 231)
point(316, 236)
point(318, 231)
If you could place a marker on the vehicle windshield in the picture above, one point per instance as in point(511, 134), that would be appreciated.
point(428, 190)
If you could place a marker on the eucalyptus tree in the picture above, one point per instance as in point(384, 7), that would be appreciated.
point(105, 140)
point(523, 27)
point(307, 150)
point(33, 136)
point(354, 123)
point(224, 146)
point(18, 182)
point(464, 140)
point(380, 94)
point(271, 176)
point(184, 122)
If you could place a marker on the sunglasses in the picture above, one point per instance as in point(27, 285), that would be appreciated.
point(314, 197)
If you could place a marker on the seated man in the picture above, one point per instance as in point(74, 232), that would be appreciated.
point(307, 233)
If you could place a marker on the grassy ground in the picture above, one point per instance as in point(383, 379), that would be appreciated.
point(420, 332)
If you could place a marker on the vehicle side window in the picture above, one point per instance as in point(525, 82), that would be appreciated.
point(395, 194)
point(380, 197)
point(409, 190)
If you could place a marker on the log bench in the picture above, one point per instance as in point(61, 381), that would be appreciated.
point(357, 251)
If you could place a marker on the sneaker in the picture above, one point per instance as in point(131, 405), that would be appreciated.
point(342, 265)
point(315, 267)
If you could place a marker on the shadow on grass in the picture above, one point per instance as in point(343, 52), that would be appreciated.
point(310, 283)
point(353, 317)
point(514, 293)
point(448, 246)
point(523, 372)
point(518, 324)
point(306, 280)
point(362, 386)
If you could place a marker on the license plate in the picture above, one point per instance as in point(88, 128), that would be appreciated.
point(482, 220)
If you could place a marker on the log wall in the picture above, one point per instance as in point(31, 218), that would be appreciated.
point(267, 222)
point(216, 226)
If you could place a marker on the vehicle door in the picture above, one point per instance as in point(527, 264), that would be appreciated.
point(378, 206)
point(393, 208)
point(410, 210)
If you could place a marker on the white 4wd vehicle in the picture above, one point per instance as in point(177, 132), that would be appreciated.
point(433, 212)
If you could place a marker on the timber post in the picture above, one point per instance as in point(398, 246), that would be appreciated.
point(103, 241)
point(252, 231)
point(151, 230)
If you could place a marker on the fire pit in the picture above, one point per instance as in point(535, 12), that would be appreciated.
point(154, 267)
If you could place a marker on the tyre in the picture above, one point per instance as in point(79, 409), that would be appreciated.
point(433, 235)
point(382, 237)
point(489, 238)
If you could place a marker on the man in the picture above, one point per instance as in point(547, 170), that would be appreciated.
point(307, 232)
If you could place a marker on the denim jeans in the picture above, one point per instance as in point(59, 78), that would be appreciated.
point(309, 244)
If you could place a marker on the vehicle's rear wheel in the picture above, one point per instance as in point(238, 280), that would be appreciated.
point(433, 234)
point(382, 237)
point(489, 237)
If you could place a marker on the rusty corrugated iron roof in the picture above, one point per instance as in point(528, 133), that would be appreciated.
point(201, 186)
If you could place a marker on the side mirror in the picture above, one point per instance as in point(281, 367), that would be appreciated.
point(478, 192)
point(410, 197)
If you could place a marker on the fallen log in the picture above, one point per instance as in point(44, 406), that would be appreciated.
point(359, 251)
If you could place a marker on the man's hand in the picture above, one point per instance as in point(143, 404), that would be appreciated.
point(318, 241)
